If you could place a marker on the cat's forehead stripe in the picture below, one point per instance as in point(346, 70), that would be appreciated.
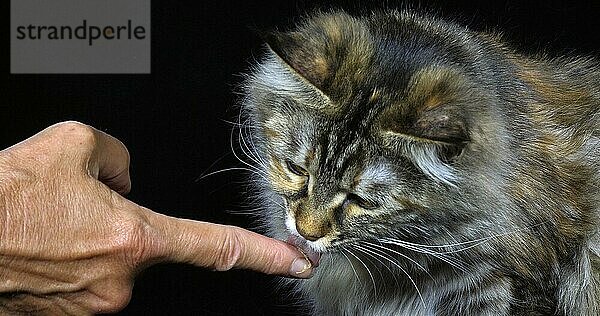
point(338, 152)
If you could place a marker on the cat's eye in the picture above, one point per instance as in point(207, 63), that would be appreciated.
point(295, 169)
point(361, 202)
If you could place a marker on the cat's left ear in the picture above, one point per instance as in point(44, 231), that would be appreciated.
point(302, 55)
point(432, 121)
point(430, 125)
point(435, 107)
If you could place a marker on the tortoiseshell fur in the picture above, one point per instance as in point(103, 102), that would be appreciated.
point(438, 171)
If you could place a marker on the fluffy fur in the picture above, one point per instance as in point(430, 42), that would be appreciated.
point(437, 171)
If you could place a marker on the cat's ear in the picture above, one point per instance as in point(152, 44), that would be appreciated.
point(296, 52)
point(435, 107)
point(431, 123)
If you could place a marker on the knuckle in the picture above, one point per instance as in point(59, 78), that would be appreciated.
point(75, 132)
point(137, 245)
point(116, 300)
point(230, 250)
point(133, 240)
point(70, 127)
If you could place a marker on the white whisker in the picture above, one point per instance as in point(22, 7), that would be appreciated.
point(441, 256)
point(383, 248)
point(475, 241)
point(382, 264)
point(343, 250)
point(259, 171)
point(252, 146)
point(245, 147)
point(226, 170)
point(368, 271)
point(401, 269)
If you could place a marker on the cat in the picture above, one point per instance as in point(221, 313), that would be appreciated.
point(428, 169)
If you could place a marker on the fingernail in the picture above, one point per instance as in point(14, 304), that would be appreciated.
point(300, 266)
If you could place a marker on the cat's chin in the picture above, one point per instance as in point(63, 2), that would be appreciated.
point(309, 252)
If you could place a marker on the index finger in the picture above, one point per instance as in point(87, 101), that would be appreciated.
point(222, 247)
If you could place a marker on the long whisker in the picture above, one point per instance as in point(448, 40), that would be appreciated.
point(401, 269)
point(383, 249)
point(259, 171)
point(441, 256)
point(245, 147)
point(250, 153)
point(376, 266)
point(343, 250)
point(201, 176)
point(484, 239)
point(226, 170)
point(251, 146)
point(368, 271)
point(382, 264)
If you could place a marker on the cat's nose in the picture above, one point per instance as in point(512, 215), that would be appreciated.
point(309, 236)
point(312, 229)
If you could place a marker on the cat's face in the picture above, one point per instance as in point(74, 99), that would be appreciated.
point(361, 138)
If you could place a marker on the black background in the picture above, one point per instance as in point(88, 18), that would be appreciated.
point(174, 121)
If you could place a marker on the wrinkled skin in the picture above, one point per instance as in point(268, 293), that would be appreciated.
point(70, 243)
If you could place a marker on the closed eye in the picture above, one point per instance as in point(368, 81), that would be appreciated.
point(361, 202)
point(295, 169)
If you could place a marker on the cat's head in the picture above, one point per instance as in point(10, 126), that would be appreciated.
point(373, 128)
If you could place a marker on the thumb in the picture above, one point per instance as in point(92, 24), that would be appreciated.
point(223, 247)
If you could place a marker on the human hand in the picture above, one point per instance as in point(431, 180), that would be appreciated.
point(70, 243)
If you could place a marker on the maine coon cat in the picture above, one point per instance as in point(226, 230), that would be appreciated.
point(433, 169)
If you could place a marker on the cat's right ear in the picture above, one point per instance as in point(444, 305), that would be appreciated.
point(298, 53)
